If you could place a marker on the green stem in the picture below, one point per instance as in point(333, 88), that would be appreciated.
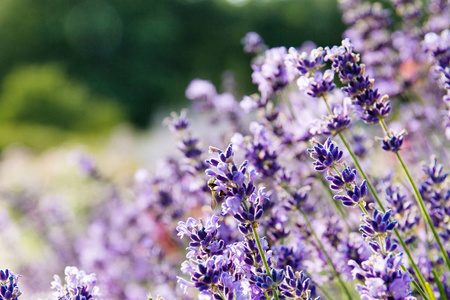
point(378, 200)
point(423, 209)
point(289, 105)
point(439, 285)
point(324, 291)
point(411, 260)
point(328, 105)
point(338, 207)
point(360, 170)
point(416, 285)
point(221, 296)
point(363, 208)
point(419, 199)
point(322, 248)
point(430, 291)
point(263, 257)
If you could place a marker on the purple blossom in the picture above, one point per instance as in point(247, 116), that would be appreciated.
point(394, 142)
point(376, 230)
point(340, 119)
point(296, 285)
point(253, 43)
point(177, 123)
point(9, 290)
point(202, 90)
point(355, 195)
point(304, 64)
point(272, 75)
point(79, 285)
point(319, 85)
point(370, 106)
point(326, 155)
point(382, 278)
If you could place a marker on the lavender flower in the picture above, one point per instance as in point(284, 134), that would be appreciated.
point(394, 142)
point(304, 64)
point(438, 49)
point(260, 153)
point(253, 43)
point(340, 119)
point(370, 105)
point(204, 237)
point(319, 85)
point(404, 211)
point(296, 285)
point(272, 75)
point(383, 278)
point(436, 195)
point(325, 155)
point(9, 290)
point(201, 90)
point(376, 230)
point(369, 30)
point(177, 123)
point(239, 197)
point(216, 270)
point(78, 286)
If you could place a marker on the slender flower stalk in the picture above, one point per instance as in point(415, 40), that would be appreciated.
point(378, 200)
point(439, 285)
point(370, 106)
point(322, 248)
point(338, 207)
point(263, 256)
point(418, 197)
point(327, 157)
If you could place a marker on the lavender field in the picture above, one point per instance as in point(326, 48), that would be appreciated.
point(331, 182)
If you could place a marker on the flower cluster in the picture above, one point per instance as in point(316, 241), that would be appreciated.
point(228, 185)
point(9, 290)
point(369, 104)
point(383, 278)
point(326, 158)
point(271, 74)
point(78, 286)
point(353, 224)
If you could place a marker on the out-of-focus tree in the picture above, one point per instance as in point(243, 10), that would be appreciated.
point(43, 97)
point(144, 53)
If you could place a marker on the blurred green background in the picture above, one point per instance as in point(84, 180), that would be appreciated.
point(75, 69)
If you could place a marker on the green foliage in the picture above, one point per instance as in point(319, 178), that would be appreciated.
point(43, 97)
point(144, 53)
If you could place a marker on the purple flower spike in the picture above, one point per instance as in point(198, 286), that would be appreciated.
point(79, 285)
point(200, 89)
point(271, 75)
point(319, 85)
point(369, 104)
point(340, 119)
point(228, 185)
point(394, 143)
point(377, 225)
point(434, 172)
point(325, 156)
point(296, 285)
point(339, 182)
point(302, 64)
point(8, 283)
point(383, 278)
point(253, 43)
point(354, 196)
